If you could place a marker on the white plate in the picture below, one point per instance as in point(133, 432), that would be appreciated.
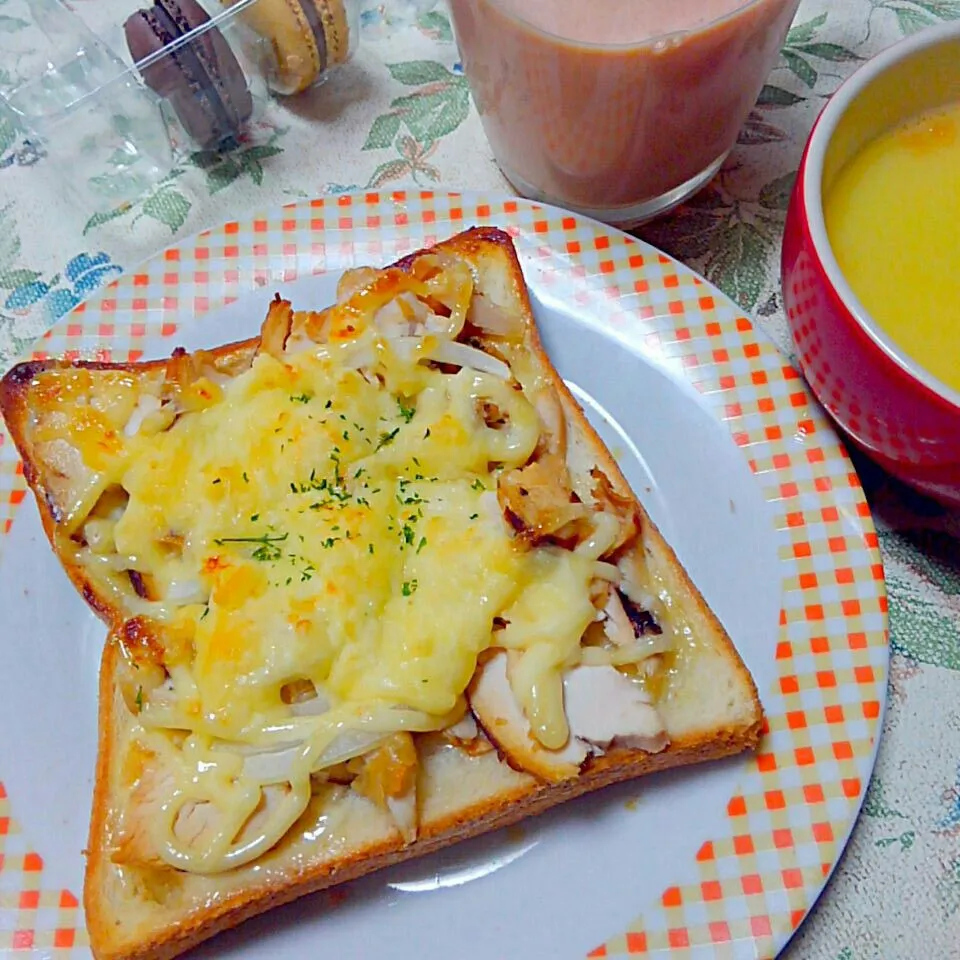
point(705, 420)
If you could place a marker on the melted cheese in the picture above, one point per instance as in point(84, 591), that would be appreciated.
point(311, 522)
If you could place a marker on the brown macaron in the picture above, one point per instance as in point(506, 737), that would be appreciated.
point(202, 79)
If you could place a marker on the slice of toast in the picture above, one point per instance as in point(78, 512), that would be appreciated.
point(690, 697)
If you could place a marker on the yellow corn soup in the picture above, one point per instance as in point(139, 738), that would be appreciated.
point(893, 219)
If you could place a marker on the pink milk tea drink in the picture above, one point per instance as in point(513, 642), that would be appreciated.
point(617, 108)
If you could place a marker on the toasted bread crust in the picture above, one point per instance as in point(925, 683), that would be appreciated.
point(502, 810)
point(14, 407)
point(524, 797)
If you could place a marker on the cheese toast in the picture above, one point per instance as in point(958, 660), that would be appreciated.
point(373, 585)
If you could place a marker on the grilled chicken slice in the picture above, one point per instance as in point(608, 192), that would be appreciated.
point(603, 706)
point(623, 508)
point(133, 842)
point(617, 625)
point(498, 713)
point(539, 503)
point(488, 316)
point(196, 822)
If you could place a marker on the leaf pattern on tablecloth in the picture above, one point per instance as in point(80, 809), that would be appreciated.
point(411, 163)
point(948, 888)
point(27, 296)
point(902, 669)
point(934, 635)
point(24, 153)
point(914, 15)
point(170, 201)
point(222, 170)
point(730, 236)
point(803, 54)
point(62, 292)
point(9, 133)
point(919, 539)
point(877, 805)
point(436, 25)
point(434, 110)
point(9, 24)
point(949, 825)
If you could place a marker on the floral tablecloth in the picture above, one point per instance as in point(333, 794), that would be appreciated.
point(401, 115)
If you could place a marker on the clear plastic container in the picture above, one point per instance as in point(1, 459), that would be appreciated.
point(381, 17)
point(116, 93)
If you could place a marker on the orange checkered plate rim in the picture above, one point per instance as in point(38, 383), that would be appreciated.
point(790, 809)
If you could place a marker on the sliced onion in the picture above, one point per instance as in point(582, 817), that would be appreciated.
point(607, 571)
point(637, 651)
point(391, 320)
point(186, 591)
point(444, 351)
point(312, 707)
point(492, 318)
point(248, 750)
point(164, 695)
point(215, 376)
point(274, 766)
point(642, 649)
point(394, 718)
point(361, 358)
point(421, 313)
point(617, 626)
point(161, 714)
point(111, 561)
point(146, 404)
point(346, 745)
point(405, 347)
point(434, 323)
point(99, 534)
point(463, 355)
point(606, 529)
point(491, 508)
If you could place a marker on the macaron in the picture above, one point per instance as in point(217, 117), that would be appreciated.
point(307, 38)
point(201, 79)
